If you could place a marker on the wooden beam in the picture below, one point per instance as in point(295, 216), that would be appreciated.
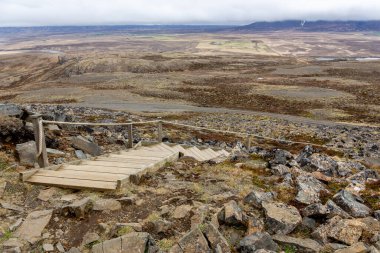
point(39, 136)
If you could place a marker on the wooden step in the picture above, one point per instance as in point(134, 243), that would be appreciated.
point(73, 183)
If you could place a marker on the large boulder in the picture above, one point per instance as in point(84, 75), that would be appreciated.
point(281, 218)
point(31, 229)
point(27, 153)
point(316, 210)
point(347, 231)
point(352, 204)
point(87, 146)
point(257, 241)
point(334, 210)
point(300, 245)
point(132, 242)
point(308, 189)
point(255, 198)
point(231, 214)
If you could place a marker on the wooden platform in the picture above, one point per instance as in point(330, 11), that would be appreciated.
point(109, 172)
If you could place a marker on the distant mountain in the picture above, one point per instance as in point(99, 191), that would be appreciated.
point(313, 26)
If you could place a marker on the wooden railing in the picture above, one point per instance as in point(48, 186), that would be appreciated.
point(42, 157)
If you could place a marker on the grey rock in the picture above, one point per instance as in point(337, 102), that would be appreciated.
point(376, 214)
point(309, 223)
point(215, 238)
point(280, 157)
point(280, 170)
point(55, 152)
point(47, 247)
point(346, 168)
point(182, 211)
point(132, 242)
point(10, 110)
point(323, 164)
point(255, 198)
point(12, 207)
point(351, 204)
point(27, 153)
point(15, 225)
point(322, 231)
point(256, 241)
point(90, 238)
point(34, 224)
point(316, 210)
point(79, 208)
point(127, 201)
point(74, 250)
point(281, 218)
point(80, 154)
point(347, 231)
point(364, 175)
point(372, 249)
point(356, 248)
point(194, 241)
point(301, 245)
point(334, 210)
point(60, 247)
point(106, 205)
point(304, 157)
point(231, 214)
point(85, 145)
point(308, 189)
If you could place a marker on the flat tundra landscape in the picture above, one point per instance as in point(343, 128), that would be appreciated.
point(271, 141)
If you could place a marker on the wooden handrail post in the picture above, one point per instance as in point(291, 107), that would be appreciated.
point(159, 130)
point(130, 134)
point(39, 136)
point(248, 142)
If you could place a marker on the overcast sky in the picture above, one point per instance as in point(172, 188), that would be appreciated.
point(92, 12)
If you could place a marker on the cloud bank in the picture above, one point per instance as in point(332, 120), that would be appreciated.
point(99, 12)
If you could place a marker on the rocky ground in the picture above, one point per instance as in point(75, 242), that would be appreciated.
point(271, 197)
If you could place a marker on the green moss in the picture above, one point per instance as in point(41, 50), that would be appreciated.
point(165, 244)
point(334, 187)
point(91, 244)
point(290, 249)
point(3, 164)
point(6, 236)
point(125, 230)
point(153, 217)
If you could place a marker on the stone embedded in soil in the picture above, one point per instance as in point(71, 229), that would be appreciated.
point(45, 195)
point(79, 208)
point(356, 248)
point(256, 241)
point(27, 153)
point(127, 201)
point(280, 170)
point(90, 238)
point(351, 204)
point(182, 211)
point(12, 207)
point(231, 214)
point(80, 154)
point(85, 145)
point(132, 242)
point(255, 198)
point(194, 241)
point(16, 224)
point(281, 218)
point(300, 245)
point(47, 247)
point(106, 205)
point(376, 214)
point(215, 238)
point(31, 229)
point(60, 247)
point(10, 110)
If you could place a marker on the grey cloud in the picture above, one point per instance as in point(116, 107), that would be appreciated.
point(77, 12)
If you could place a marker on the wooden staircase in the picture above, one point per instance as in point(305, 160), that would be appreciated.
point(112, 171)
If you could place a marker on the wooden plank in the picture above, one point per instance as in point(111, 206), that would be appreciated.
point(126, 156)
point(111, 170)
point(73, 183)
point(25, 175)
point(118, 164)
point(126, 160)
point(149, 152)
point(85, 175)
